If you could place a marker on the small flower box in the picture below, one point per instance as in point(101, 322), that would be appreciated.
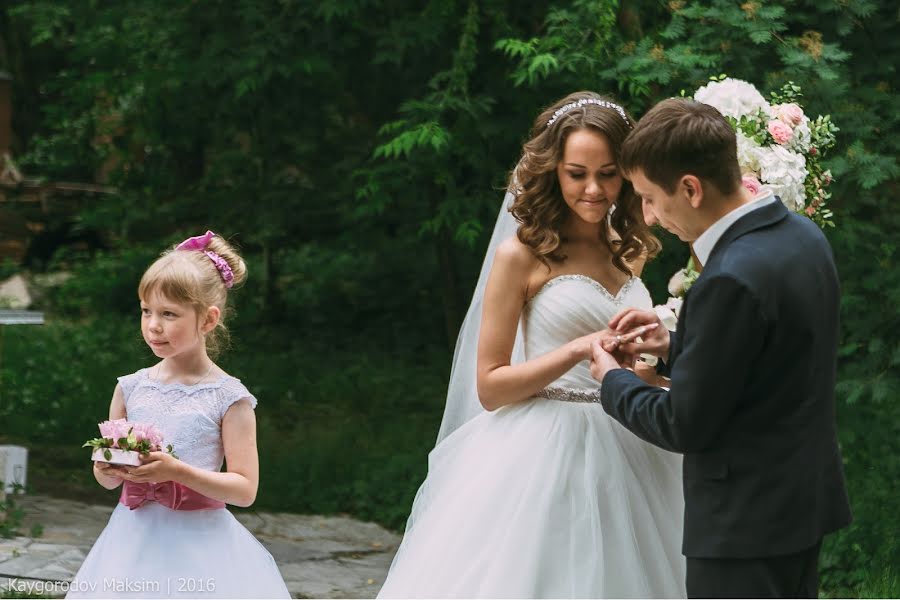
point(117, 457)
point(123, 443)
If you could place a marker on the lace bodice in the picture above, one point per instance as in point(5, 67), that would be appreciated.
point(189, 416)
point(570, 306)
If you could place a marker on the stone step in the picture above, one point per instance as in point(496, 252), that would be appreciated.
point(319, 557)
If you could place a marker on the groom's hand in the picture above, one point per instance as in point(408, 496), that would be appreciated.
point(604, 361)
point(654, 340)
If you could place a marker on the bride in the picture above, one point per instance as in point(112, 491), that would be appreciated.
point(542, 494)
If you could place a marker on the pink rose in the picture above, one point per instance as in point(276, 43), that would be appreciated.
point(115, 429)
point(789, 113)
point(781, 132)
point(751, 183)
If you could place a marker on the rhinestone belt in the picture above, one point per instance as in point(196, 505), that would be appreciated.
point(569, 394)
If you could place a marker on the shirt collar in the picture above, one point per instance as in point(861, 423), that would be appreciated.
point(703, 245)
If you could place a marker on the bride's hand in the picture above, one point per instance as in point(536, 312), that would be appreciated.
point(581, 347)
point(614, 342)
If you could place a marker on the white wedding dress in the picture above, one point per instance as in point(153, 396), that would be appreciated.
point(548, 498)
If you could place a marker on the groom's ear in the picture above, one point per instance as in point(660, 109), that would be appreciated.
point(692, 188)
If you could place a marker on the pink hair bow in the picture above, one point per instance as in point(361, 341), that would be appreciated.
point(198, 242)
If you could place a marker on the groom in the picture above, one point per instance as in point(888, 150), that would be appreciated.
point(752, 364)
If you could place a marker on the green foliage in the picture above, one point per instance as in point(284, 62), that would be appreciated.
point(856, 558)
point(883, 585)
point(11, 513)
point(568, 47)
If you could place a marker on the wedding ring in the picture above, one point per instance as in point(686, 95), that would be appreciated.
point(618, 339)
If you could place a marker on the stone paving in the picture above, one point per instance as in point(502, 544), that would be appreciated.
point(319, 557)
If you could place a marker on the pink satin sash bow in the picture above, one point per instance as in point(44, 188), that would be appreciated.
point(170, 494)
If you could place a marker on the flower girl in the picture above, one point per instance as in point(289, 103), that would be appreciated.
point(170, 535)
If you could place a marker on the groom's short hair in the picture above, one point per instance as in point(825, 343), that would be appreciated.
point(680, 137)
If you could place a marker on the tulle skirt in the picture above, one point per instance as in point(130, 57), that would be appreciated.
point(544, 499)
point(156, 552)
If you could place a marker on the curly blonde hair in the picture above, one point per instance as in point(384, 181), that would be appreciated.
point(539, 206)
point(190, 277)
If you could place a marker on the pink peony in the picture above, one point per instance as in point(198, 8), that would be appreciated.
point(108, 427)
point(751, 183)
point(145, 431)
point(781, 132)
point(790, 113)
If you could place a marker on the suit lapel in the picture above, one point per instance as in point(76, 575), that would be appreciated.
point(755, 219)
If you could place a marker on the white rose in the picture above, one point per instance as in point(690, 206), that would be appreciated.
point(675, 305)
point(676, 283)
point(667, 316)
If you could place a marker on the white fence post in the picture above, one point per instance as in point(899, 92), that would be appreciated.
point(13, 468)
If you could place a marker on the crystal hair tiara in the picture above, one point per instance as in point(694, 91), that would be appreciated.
point(579, 103)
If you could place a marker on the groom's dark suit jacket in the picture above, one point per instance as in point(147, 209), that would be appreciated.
point(751, 404)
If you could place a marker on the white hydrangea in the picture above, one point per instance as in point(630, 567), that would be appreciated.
point(733, 98)
point(784, 172)
point(747, 153)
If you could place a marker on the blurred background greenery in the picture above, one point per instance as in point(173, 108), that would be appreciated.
point(357, 150)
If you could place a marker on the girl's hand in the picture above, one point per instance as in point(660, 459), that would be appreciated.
point(109, 470)
point(157, 467)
